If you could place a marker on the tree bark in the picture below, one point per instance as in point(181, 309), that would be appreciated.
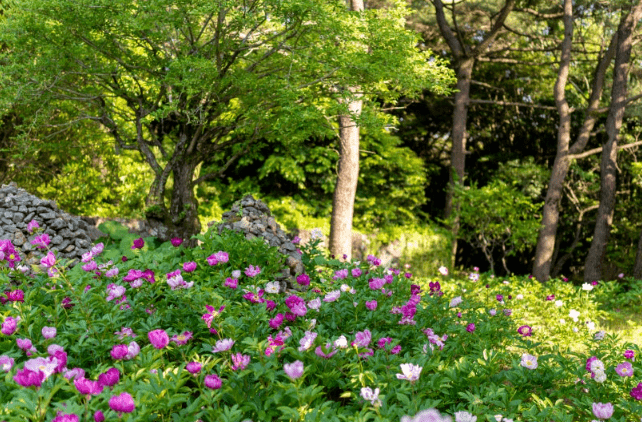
point(345, 191)
point(637, 269)
point(608, 164)
point(465, 57)
point(550, 213)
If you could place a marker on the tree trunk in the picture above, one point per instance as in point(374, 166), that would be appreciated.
point(458, 154)
point(608, 165)
point(346, 187)
point(637, 269)
point(345, 190)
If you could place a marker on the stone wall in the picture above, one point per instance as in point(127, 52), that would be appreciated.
point(253, 217)
point(70, 235)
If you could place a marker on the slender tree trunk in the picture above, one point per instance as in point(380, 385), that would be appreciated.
point(458, 154)
point(608, 165)
point(637, 269)
point(550, 213)
point(345, 189)
point(183, 209)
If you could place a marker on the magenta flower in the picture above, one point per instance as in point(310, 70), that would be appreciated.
point(9, 326)
point(550, 297)
point(395, 350)
point(125, 332)
point(629, 354)
point(189, 267)
point(158, 338)
point(41, 241)
point(183, 338)
point(624, 369)
point(372, 305)
point(325, 352)
point(90, 266)
point(213, 381)
point(376, 283)
point(362, 338)
point(6, 363)
point(232, 283)
point(123, 403)
point(211, 260)
point(499, 298)
point(525, 330)
point(85, 386)
point(356, 272)
point(294, 370)
point(270, 305)
point(636, 392)
point(176, 241)
point(138, 243)
point(276, 322)
point(252, 271)
point(109, 378)
point(303, 279)
point(470, 327)
point(114, 291)
point(240, 361)
point(28, 378)
point(222, 257)
point(603, 410)
point(16, 296)
point(119, 351)
point(24, 343)
point(49, 260)
point(49, 332)
point(65, 417)
point(32, 225)
point(193, 367)
point(99, 416)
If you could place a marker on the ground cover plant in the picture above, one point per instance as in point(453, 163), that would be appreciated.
point(144, 331)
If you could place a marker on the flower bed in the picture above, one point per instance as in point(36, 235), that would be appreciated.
point(162, 332)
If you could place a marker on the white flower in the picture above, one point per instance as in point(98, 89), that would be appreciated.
point(587, 286)
point(430, 415)
point(590, 325)
point(345, 288)
point(600, 376)
point(529, 361)
point(464, 416)
point(341, 342)
point(562, 321)
point(332, 296)
point(574, 314)
point(575, 330)
point(316, 234)
point(559, 303)
point(409, 371)
point(597, 366)
point(519, 296)
point(272, 287)
point(371, 396)
point(506, 282)
point(443, 270)
point(600, 335)
point(46, 366)
point(236, 273)
point(499, 418)
point(456, 301)
point(315, 304)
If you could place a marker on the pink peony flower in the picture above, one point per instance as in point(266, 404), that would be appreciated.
point(176, 241)
point(303, 279)
point(27, 378)
point(189, 267)
point(49, 332)
point(603, 410)
point(525, 330)
point(158, 338)
point(325, 352)
point(9, 326)
point(376, 283)
point(636, 392)
point(123, 403)
point(232, 283)
point(133, 349)
point(470, 327)
point(32, 225)
point(65, 417)
point(85, 386)
point(624, 369)
point(41, 241)
point(99, 416)
point(6, 363)
point(119, 351)
point(109, 378)
point(410, 372)
point(629, 354)
point(294, 370)
point(222, 257)
point(90, 266)
point(183, 338)
point(240, 361)
point(213, 381)
point(276, 322)
point(24, 343)
point(362, 338)
point(193, 367)
point(48, 260)
point(125, 332)
point(223, 345)
point(307, 341)
point(16, 296)
point(332, 296)
point(75, 373)
point(211, 260)
point(372, 305)
point(356, 272)
point(252, 271)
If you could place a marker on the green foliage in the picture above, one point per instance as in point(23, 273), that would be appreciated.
point(497, 217)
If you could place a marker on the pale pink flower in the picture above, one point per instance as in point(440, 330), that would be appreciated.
point(410, 372)
point(294, 370)
point(223, 345)
point(49, 332)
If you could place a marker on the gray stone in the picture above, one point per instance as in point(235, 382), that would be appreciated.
point(48, 215)
point(57, 240)
point(30, 217)
point(10, 228)
point(19, 238)
point(83, 244)
point(23, 209)
point(70, 248)
point(8, 215)
point(18, 217)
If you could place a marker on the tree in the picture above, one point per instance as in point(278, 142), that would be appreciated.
point(183, 82)
point(345, 190)
point(608, 166)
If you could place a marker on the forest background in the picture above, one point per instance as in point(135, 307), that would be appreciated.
point(499, 134)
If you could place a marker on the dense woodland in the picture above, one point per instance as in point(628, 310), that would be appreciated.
point(513, 125)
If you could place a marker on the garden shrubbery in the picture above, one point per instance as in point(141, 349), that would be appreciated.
point(146, 331)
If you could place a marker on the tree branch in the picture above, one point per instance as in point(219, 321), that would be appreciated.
point(598, 150)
